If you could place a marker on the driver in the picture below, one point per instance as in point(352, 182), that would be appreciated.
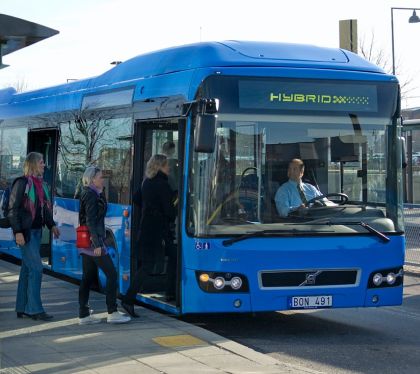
point(294, 194)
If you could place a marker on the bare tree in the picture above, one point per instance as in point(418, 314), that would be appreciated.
point(369, 49)
point(84, 134)
point(94, 138)
point(20, 85)
point(80, 140)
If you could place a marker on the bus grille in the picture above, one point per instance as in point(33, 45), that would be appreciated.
point(308, 278)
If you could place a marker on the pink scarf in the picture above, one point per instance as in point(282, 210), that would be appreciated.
point(37, 181)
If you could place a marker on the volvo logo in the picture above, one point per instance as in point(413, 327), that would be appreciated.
point(310, 278)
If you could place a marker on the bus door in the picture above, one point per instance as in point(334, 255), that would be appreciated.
point(159, 137)
point(44, 141)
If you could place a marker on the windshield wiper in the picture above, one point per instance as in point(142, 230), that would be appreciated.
point(255, 234)
point(235, 220)
point(366, 226)
point(261, 233)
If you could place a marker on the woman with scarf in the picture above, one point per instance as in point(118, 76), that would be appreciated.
point(93, 207)
point(29, 210)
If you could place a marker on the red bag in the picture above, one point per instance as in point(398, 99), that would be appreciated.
point(83, 237)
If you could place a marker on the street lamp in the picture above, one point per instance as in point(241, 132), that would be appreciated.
point(413, 19)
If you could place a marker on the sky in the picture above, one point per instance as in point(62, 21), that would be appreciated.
point(93, 33)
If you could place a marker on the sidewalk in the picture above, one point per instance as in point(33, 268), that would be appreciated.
point(153, 343)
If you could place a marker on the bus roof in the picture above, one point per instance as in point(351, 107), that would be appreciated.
point(209, 54)
point(238, 53)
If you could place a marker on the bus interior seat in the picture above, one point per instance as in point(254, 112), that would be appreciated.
point(249, 181)
point(248, 195)
point(278, 177)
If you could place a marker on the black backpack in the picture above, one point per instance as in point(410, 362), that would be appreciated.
point(5, 201)
point(4, 222)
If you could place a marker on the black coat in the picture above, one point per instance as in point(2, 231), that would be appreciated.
point(157, 210)
point(92, 213)
point(19, 217)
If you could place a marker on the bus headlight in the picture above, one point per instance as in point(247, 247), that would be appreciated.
point(391, 278)
point(215, 282)
point(219, 283)
point(377, 279)
point(236, 283)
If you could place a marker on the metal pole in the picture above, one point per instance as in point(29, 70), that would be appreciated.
point(410, 167)
point(392, 37)
point(392, 34)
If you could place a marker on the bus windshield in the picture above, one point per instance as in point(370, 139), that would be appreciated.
point(347, 156)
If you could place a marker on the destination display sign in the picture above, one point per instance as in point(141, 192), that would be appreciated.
point(288, 95)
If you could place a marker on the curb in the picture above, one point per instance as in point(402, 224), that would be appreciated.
point(233, 347)
point(412, 270)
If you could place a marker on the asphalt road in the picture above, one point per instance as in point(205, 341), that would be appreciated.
point(382, 340)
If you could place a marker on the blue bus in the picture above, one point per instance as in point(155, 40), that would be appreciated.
point(237, 112)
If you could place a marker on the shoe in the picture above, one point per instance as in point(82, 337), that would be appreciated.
point(129, 308)
point(118, 317)
point(42, 316)
point(22, 314)
point(89, 320)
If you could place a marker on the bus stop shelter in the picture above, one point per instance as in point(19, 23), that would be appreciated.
point(17, 33)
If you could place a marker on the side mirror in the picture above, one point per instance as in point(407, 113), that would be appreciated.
point(205, 133)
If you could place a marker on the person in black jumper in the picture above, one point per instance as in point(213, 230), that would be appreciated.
point(158, 213)
point(93, 207)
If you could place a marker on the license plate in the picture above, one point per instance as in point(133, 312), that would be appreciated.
point(310, 302)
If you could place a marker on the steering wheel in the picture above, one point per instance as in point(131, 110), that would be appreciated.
point(343, 198)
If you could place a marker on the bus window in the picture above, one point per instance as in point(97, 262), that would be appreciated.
point(105, 142)
point(163, 142)
point(236, 185)
point(13, 148)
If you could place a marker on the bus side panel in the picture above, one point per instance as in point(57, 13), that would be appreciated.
point(118, 221)
point(66, 257)
point(7, 243)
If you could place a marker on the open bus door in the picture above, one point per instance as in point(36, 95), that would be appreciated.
point(44, 141)
point(153, 138)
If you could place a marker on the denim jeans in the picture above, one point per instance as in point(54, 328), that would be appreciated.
point(28, 298)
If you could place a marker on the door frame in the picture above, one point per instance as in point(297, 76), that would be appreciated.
point(140, 129)
point(33, 145)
